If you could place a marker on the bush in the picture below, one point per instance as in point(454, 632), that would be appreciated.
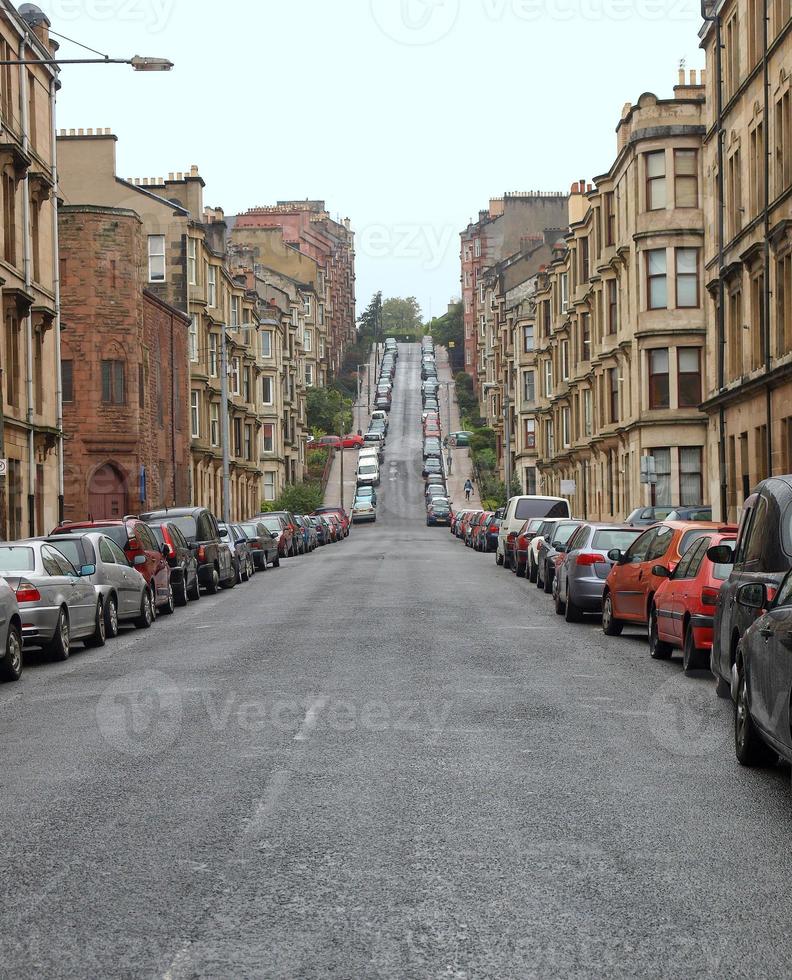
point(300, 498)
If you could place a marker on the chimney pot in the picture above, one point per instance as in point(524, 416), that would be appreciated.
point(681, 76)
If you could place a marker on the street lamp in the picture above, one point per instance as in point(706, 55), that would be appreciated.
point(506, 432)
point(139, 63)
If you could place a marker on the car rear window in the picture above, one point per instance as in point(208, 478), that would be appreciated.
point(117, 533)
point(564, 533)
point(72, 551)
point(156, 531)
point(621, 539)
point(530, 507)
point(17, 560)
point(690, 536)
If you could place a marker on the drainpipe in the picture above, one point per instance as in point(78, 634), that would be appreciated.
point(766, 205)
point(56, 290)
point(28, 279)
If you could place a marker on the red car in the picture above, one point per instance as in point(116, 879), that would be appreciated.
point(684, 605)
point(633, 581)
point(525, 535)
point(480, 530)
point(353, 442)
point(141, 548)
point(335, 512)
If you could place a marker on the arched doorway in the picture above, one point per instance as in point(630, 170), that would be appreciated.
point(107, 494)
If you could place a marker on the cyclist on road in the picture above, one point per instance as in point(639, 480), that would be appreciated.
point(468, 489)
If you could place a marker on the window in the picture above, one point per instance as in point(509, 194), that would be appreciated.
point(213, 355)
point(734, 193)
point(657, 279)
point(564, 291)
point(269, 485)
point(267, 390)
point(529, 387)
point(195, 414)
point(238, 438)
point(308, 341)
point(662, 492)
point(249, 443)
point(655, 181)
point(686, 178)
point(610, 220)
point(731, 57)
point(246, 384)
point(156, 258)
point(67, 380)
point(734, 338)
point(547, 315)
point(755, 31)
point(211, 285)
point(687, 290)
point(193, 337)
point(757, 170)
point(566, 435)
point(530, 480)
point(613, 386)
point(689, 365)
point(530, 433)
point(235, 379)
point(659, 395)
point(113, 382)
point(192, 261)
point(548, 367)
point(266, 343)
point(268, 437)
point(565, 360)
point(235, 313)
point(691, 485)
point(214, 424)
point(9, 217)
point(549, 438)
point(783, 143)
point(528, 338)
point(585, 264)
point(585, 337)
point(307, 305)
point(613, 305)
point(309, 376)
point(141, 386)
point(782, 11)
point(588, 423)
point(783, 289)
point(477, 248)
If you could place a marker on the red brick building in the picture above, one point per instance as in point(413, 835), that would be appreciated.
point(126, 372)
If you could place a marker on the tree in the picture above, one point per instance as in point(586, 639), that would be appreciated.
point(368, 321)
point(401, 316)
point(325, 407)
point(450, 328)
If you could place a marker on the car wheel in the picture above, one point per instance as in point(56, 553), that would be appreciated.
point(749, 747)
point(560, 607)
point(548, 581)
point(214, 583)
point(539, 582)
point(181, 597)
point(692, 657)
point(99, 635)
point(276, 561)
point(243, 573)
point(519, 569)
point(11, 663)
point(194, 592)
point(111, 617)
point(170, 605)
point(230, 583)
point(531, 570)
point(722, 689)
point(145, 619)
point(59, 648)
point(657, 648)
point(572, 613)
point(610, 625)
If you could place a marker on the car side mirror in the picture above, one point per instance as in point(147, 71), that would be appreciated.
point(223, 532)
point(273, 534)
point(721, 554)
point(139, 560)
point(561, 549)
point(753, 596)
point(87, 571)
point(615, 556)
point(661, 571)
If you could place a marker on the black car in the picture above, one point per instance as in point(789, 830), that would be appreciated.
point(200, 529)
point(182, 560)
point(646, 516)
point(763, 556)
point(433, 467)
point(263, 545)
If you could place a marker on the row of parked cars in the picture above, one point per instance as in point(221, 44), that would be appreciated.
point(86, 580)
point(438, 503)
point(719, 593)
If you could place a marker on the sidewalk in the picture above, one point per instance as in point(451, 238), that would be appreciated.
point(461, 465)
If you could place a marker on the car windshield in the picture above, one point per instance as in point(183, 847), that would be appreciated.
point(607, 540)
point(72, 552)
point(17, 559)
point(540, 507)
point(366, 470)
point(251, 531)
point(272, 524)
point(564, 533)
point(187, 525)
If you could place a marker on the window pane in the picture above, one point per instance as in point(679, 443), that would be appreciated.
point(663, 469)
point(659, 361)
point(655, 164)
point(687, 291)
point(690, 476)
point(686, 161)
point(656, 259)
point(688, 359)
point(686, 192)
point(687, 261)
point(658, 294)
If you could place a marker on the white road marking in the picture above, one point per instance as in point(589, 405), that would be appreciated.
point(311, 718)
point(268, 804)
point(180, 961)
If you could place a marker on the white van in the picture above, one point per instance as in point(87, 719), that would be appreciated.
point(368, 472)
point(522, 509)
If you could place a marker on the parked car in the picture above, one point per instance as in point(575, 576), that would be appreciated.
point(295, 543)
point(581, 575)
point(280, 534)
point(459, 439)
point(646, 516)
point(339, 513)
point(377, 440)
point(368, 473)
point(521, 560)
point(263, 544)
point(553, 544)
point(762, 676)
point(438, 513)
point(122, 592)
point(200, 529)
point(363, 510)
point(633, 581)
point(381, 417)
point(235, 539)
point(353, 441)
point(327, 442)
point(140, 546)
point(472, 526)
point(762, 555)
point(10, 634)
point(57, 603)
point(480, 530)
point(489, 537)
point(305, 528)
point(690, 514)
point(518, 511)
point(684, 605)
point(182, 560)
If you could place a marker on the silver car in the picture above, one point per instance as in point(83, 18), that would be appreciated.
point(120, 588)
point(11, 634)
point(580, 577)
point(57, 603)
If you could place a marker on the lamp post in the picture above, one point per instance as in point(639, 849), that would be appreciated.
point(359, 406)
point(224, 426)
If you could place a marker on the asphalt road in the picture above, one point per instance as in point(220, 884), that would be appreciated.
point(387, 759)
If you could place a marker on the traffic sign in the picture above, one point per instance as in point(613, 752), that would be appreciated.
point(3, 467)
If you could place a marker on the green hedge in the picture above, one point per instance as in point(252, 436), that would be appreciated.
point(302, 498)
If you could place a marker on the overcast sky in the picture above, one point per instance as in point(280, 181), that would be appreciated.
point(404, 115)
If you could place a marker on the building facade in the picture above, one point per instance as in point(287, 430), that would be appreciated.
point(748, 255)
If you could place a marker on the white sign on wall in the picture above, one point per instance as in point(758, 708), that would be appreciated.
point(568, 487)
point(3, 467)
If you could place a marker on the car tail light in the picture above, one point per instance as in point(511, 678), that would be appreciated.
point(27, 592)
point(590, 558)
point(709, 596)
point(201, 553)
point(511, 536)
point(771, 593)
point(167, 539)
